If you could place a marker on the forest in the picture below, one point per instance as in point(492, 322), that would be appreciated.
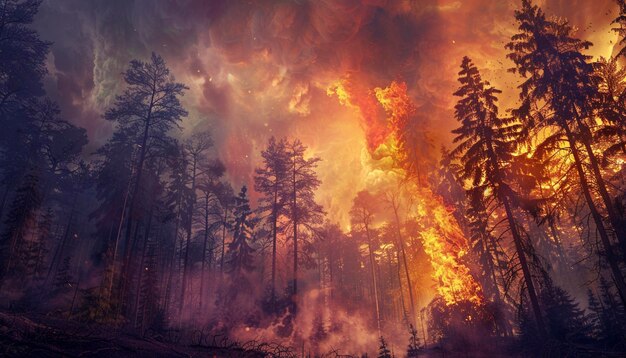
point(311, 197)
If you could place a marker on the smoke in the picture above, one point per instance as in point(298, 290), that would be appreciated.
point(346, 332)
point(258, 69)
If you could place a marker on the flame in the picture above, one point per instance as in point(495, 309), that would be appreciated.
point(446, 246)
point(440, 234)
point(352, 96)
point(397, 104)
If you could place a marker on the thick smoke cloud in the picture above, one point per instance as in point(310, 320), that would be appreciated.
point(261, 68)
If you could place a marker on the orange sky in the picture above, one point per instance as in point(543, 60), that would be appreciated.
point(262, 68)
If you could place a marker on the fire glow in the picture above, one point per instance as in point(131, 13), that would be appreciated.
point(440, 234)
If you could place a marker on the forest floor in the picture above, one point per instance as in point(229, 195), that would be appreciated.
point(33, 335)
point(38, 335)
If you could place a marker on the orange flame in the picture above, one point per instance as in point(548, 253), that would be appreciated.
point(397, 104)
point(440, 234)
point(446, 246)
point(352, 96)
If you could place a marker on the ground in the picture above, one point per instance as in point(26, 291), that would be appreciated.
point(32, 335)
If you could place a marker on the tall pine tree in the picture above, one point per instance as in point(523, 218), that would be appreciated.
point(486, 146)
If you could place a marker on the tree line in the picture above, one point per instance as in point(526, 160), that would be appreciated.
point(148, 233)
point(539, 187)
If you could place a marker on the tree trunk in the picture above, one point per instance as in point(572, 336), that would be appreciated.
point(611, 258)
point(274, 235)
point(135, 192)
point(295, 241)
point(223, 242)
point(3, 202)
point(616, 222)
point(146, 240)
point(373, 273)
point(399, 274)
point(404, 261)
point(492, 271)
point(60, 249)
point(188, 229)
point(206, 238)
point(168, 288)
point(126, 276)
point(517, 240)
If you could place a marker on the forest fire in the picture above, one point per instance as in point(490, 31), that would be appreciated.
point(446, 246)
point(440, 234)
point(312, 178)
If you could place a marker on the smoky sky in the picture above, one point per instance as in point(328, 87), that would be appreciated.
point(261, 68)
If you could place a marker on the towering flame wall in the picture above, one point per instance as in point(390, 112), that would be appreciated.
point(440, 235)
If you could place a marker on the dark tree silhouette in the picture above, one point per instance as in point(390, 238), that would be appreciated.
point(362, 216)
point(195, 148)
point(48, 155)
point(383, 350)
point(147, 109)
point(557, 73)
point(299, 196)
point(566, 321)
point(209, 217)
point(22, 55)
point(610, 106)
point(607, 316)
point(413, 348)
point(270, 180)
point(486, 144)
point(21, 216)
point(620, 21)
point(240, 250)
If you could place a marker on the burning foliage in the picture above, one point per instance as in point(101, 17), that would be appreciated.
point(292, 189)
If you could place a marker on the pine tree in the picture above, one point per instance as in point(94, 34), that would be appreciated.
point(299, 196)
point(97, 308)
point(177, 195)
point(22, 55)
point(595, 318)
point(145, 112)
point(195, 147)
point(22, 215)
point(270, 180)
point(209, 219)
point(608, 315)
point(486, 145)
point(610, 106)
point(557, 93)
point(383, 350)
point(362, 216)
point(35, 254)
point(566, 321)
point(240, 249)
point(413, 348)
point(620, 21)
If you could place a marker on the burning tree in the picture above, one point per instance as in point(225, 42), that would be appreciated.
point(557, 92)
point(487, 143)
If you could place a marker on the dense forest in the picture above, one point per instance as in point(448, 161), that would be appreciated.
point(509, 240)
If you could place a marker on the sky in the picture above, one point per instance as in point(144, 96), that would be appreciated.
point(257, 69)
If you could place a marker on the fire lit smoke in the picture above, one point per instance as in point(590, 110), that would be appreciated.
point(260, 69)
point(440, 234)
